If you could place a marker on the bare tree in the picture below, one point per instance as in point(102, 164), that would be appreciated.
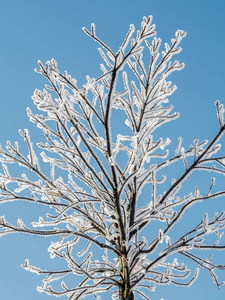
point(97, 174)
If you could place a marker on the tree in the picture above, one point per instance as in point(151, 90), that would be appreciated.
point(98, 175)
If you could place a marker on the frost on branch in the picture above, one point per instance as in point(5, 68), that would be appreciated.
point(97, 175)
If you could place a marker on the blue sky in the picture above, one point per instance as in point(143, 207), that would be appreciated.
point(43, 29)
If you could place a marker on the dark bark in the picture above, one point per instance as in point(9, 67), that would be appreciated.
point(125, 294)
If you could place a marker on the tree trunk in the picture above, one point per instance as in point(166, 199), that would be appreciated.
point(125, 294)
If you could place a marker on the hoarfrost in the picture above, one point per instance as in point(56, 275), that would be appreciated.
point(95, 185)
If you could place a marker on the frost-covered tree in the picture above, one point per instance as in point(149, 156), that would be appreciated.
point(106, 182)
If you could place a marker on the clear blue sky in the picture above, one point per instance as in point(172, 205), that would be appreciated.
point(43, 29)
